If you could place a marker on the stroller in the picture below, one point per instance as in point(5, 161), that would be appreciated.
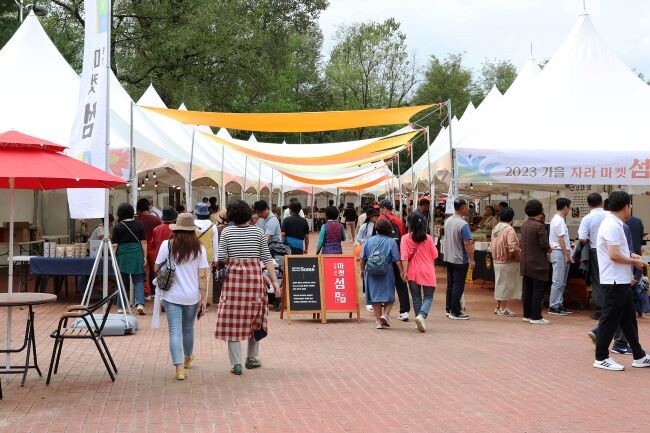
point(278, 251)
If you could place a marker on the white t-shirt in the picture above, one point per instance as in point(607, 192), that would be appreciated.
point(611, 232)
point(185, 290)
point(287, 213)
point(558, 230)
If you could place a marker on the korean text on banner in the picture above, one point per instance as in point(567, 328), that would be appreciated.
point(339, 282)
point(88, 135)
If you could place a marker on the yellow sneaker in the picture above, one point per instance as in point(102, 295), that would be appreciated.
point(188, 361)
point(180, 374)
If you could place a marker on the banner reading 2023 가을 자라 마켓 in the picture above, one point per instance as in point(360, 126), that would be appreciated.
point(557, 168)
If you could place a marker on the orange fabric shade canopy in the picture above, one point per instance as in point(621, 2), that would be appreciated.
point(294, 122)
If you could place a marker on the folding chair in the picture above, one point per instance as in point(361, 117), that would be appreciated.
point(85, 326)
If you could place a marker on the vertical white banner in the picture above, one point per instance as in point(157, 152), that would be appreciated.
point(88, 135)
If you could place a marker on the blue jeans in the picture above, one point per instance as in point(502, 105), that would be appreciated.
point(422, 298)
point(560, 275)
point(138, 288)
point(180, 320)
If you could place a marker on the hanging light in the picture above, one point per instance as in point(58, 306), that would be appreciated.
point(154, 174)
point(471, 186)
point(139, 189)
point(146, 177)
point(156, 184)
point(128, 184)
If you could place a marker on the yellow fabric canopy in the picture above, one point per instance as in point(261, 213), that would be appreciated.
point(294, 122)
point(355, 156)
point(313, 181)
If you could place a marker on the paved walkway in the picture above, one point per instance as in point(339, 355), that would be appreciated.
point(490, 373)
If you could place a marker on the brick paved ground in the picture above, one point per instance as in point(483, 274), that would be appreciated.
point(490, 373)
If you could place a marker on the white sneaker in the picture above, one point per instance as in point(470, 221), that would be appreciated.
point(404, 317)
point(419, 322)
point(526, 319)
point(385, 320)
point(643, 362)
point(507, 312)
point(148, 298)
point(610, 364)
point(140, 309)
point(379, 325)
point(369, 309)
point(540, 322)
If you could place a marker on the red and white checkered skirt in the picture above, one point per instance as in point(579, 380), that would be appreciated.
point(243, 305)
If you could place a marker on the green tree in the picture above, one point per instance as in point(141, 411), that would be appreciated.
point(370, 67)
point(499, 73)
point(444, 79)
point(212, 55)
point(8, 20)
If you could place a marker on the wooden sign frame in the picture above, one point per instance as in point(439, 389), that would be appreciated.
point(286, 298)
point(356, 287)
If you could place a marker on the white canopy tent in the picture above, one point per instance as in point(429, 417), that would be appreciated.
point(585, 121)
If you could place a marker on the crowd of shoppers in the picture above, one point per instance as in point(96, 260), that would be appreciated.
point(392, 261)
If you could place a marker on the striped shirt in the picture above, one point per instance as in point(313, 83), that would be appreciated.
point(244, 243)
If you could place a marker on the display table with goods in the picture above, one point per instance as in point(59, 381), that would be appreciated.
point(60, 268)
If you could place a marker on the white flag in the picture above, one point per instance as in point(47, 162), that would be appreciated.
point(88, 135)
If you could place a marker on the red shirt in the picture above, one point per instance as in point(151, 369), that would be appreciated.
point(160, 233)
point(395, 220)
point(149, 222)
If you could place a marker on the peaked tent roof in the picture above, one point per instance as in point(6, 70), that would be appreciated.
point(585, 99)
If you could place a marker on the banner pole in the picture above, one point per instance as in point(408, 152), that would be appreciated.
point(109, 27)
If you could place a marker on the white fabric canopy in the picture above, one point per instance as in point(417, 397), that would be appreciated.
point(585, 121)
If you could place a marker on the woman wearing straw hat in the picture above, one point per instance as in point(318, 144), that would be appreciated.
point(185, 298)
point(243, 305)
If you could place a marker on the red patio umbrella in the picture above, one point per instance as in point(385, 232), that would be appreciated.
point(28, 162)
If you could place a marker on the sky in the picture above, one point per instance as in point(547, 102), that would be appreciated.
point(502, 29)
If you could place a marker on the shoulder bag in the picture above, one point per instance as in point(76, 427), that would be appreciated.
point(166, 271)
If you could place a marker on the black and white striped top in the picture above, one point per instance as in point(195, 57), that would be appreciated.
point(244, 243)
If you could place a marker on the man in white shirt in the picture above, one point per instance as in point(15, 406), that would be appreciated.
point(587, 233)
point(287, 211)
point(616, 275)
point(561, 260)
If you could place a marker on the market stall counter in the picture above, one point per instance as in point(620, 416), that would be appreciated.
point(61, 268)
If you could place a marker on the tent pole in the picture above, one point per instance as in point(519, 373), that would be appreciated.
point(189, 183)
point(132, 171)
point(452, 152)
point(431, 186)
point(259, 179)
point(243, 190)
point(10, 282)
point(399, 181)
point(223, 185)
point(412, 173)
point(281, 198)
point(271, 194)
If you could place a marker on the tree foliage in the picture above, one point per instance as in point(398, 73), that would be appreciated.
point(8, 20)
point(499, 73)
point(265, 56)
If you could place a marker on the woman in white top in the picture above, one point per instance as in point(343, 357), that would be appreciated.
point(185, 300)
